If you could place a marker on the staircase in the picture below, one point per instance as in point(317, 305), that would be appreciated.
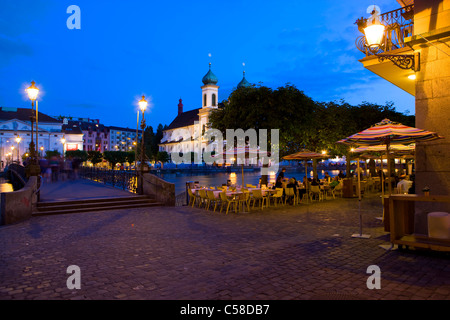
point(99, 204)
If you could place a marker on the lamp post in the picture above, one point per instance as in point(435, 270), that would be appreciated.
point(32, 92)
point(18, 139)
point(12, 153)
point(63, 141)
point(142, 105)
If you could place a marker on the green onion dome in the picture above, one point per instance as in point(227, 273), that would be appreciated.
point(210, 77)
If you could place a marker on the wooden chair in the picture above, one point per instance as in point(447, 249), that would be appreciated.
point(257, 196)
point(224, 200)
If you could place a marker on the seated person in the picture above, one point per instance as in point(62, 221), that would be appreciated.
point(314, 182)
point(403, 185)
point(292, 184)
point(278, 183)
point(327, 178)
point(335, 182)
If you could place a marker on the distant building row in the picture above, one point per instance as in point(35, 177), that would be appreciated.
point(79, 134)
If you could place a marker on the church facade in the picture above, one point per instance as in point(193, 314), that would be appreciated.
point(185, 132)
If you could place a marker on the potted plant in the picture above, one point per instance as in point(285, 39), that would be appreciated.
point(361, 23)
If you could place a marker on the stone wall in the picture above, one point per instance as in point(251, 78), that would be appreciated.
point(432, 22)
point(160, 190)
point(18, 205)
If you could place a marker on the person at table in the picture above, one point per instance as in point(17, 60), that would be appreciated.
point(278, 183)
point(314, 182)
point(281, 173)
point(292, 183)
point(341, 175)
point(334, 183)
point(327, 178)
point(404, 184)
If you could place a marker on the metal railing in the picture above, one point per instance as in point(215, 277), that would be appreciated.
point(399, 24)
point(121, 179)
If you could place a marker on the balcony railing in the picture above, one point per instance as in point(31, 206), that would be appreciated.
point(399, 24)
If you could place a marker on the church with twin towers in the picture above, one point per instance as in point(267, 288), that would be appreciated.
point(183, 135)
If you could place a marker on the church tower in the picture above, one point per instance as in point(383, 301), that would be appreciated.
point(210, 90)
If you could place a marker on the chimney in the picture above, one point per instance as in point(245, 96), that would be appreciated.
point(180, 108)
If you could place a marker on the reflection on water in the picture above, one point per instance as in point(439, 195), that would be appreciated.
point(219, 178)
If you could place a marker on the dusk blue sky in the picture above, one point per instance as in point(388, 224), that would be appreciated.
point(160, 49)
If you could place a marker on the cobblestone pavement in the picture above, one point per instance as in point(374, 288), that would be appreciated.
point(175, 253)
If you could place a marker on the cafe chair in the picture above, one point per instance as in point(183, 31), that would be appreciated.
point(203, 198)
point(258, 196)
point(290, 194)
point(278, 197)
point(224, 200)
point(244, 200)
point(211, 199)
point(315, 193)
point(337, 190)
point(192, 197)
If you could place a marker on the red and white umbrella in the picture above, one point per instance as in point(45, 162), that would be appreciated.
point(389, 133)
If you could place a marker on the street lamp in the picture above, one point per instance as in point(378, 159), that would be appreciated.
point(63, 141)
point(18, 139)
point(32, 92)
point(377, 38)
point(142, 105)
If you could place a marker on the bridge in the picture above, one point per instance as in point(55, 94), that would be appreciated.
point(39, 196)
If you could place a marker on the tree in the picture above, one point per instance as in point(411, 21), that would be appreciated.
point(77, 154)
point(130, 157)
point(95, 157)
point(52, 153)
point(115, 157)
point(162, 157)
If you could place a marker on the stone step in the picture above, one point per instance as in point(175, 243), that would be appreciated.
point(74, 206)
point(92, 201)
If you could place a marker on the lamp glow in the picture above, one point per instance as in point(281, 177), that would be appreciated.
point(412, 77)
point(143, 104)
point(374, 35)
point(32, 91)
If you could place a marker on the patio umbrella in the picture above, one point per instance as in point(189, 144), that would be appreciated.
point(387, 133)
point(305, 155)
point(236, 151)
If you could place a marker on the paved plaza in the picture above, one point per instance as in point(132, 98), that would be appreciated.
point(299, 252)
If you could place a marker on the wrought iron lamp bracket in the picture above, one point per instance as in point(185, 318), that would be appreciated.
point(403, 61)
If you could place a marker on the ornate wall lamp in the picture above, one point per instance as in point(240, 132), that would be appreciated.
point(381, 38)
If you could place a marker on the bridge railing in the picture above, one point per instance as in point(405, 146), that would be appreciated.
point(121, 179)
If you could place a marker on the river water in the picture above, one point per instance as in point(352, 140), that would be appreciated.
point(218, 178)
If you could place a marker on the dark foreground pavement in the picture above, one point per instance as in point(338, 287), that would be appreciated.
point(285, 253)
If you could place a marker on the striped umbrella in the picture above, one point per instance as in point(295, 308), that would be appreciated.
point(305, 155)
point(389, 133)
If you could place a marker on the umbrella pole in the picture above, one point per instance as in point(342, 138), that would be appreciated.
point(243, 176)
point(307, 182)
point(389, 169)
point(360, 235)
